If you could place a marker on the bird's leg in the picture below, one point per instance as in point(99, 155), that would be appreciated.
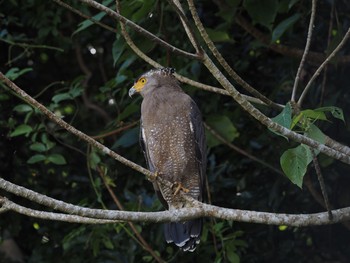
point(180, 187)
point(154, 176)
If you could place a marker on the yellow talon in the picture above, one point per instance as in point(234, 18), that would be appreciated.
point(180, 187)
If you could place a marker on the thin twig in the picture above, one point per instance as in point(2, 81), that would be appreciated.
point(222, 60)
point(186, 25)
point(239, 150)
point(76, 11)
point(306, 50)
point(313, 57)
point(322, 184)
point(139, 29)
point(140, 239)
point(328, 59)
point(116, 131)
point(329, 38)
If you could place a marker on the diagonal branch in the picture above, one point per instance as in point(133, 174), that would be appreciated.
point(222, 60)
point(186, 24)
point(319, 70)
point(139, 29)
point(71, 129)
point(306, 50)
point(267, 121)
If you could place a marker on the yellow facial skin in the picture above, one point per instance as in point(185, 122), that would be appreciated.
point(140, 84)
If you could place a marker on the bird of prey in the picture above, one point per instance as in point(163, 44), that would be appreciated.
point(173, 140)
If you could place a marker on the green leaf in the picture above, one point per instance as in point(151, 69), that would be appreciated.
point(143, 11)
point(94, 159)
point(36, 158)
point(60, 97)
point(262, 12)
point(315, 133)
point(21, 129)
point(56, 159)
point(294, 163)
point(284, 119)
point(284, 26)
point(87, 23)
point(38, 147)
point(218, 36)
point(232, 256)
point(314, 114)
point(224, 127)
point(23, 108)
point(14, 73)
point(129, 138)
point(335, 111)
point(108, 243)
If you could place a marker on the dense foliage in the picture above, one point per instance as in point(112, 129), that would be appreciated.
point(82, 72)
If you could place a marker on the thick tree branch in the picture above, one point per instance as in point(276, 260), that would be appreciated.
point(196, 210)
point(11, 206)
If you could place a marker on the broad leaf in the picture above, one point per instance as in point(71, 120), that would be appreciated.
point(335, 111)
point(21, 129)
point(262, 12)
point(284, 119)
point(284, 26)
point(294, 163)
point(14, 73)
point(36, 158)
point(224, 127)
point(56, 159)
point(23, 108)
point(38, 147)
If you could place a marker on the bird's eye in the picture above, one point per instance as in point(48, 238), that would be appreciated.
point(143, 80)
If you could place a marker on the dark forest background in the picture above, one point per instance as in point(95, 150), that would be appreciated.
point(82, 72)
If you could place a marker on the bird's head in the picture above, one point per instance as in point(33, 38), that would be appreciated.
point(150, 80)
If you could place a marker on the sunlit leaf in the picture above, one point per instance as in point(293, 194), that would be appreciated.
point(335, 111)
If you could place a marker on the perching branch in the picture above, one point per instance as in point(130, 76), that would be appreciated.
point(8, 205)
point(196, 210)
